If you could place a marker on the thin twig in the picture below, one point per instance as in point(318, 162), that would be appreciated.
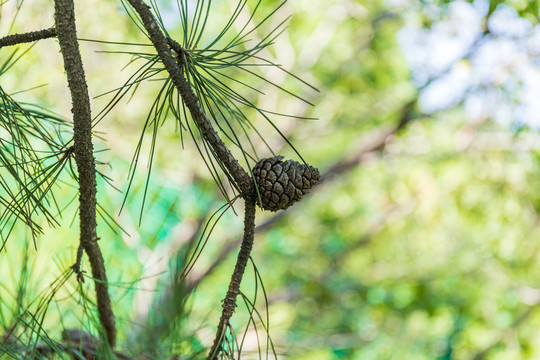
point(77, 266)
point(27, 37)
point(242, 179)
point(229, 304)
point(84, 157)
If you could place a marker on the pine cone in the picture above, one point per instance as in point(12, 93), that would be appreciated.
point(282, 183)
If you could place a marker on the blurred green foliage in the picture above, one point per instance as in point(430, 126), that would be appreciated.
point(425, 247)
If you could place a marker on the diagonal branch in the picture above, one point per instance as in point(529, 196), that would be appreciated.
point(506, 332)
point(82, 136)
point(27, 37)
point(375, 144)
point(242, 179)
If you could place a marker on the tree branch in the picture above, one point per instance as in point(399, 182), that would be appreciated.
point(84, 157)
point(242, 179)
point(240, 176)
point(376, 143)
point(27, 37)
point(229, 304)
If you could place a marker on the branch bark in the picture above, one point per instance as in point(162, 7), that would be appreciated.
point(240, 176)
point(229, 304)
point(27, 37)
point(84, 157)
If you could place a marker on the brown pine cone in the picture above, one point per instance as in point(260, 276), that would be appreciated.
point(282, 183)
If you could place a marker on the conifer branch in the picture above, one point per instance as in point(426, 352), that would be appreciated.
point(229, 303)
point(84, 157)
point(27, 37)
point(240, 176)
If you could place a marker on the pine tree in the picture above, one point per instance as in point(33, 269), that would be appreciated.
point(201, 93)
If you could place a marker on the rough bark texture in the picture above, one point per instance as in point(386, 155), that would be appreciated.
point(27, 37)
point(229, 304)
point(82, 136)
point(242, 179)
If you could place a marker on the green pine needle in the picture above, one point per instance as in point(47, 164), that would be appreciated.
point(32, 157)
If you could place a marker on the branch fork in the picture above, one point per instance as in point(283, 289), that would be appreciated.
point(242, 179)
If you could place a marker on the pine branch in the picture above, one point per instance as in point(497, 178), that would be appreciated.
point(27, 37)
point(229, 304)
point(241, 177)
point(82, 136)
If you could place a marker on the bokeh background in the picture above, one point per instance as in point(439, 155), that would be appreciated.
point(422, 240)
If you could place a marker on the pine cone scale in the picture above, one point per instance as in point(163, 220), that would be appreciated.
point(282, 183)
